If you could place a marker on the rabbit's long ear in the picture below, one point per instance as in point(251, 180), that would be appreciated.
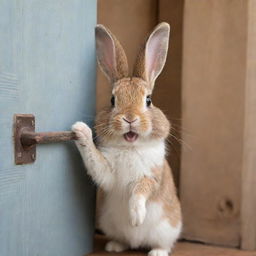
point(152, 56)
point(110, 54)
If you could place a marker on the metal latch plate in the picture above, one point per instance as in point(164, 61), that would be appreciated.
point(23, 122)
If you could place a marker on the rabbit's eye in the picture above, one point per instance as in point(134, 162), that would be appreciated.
point(113, 100)
point(148, 100)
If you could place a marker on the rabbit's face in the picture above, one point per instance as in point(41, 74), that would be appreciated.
point(130, 103)
point(132, 117)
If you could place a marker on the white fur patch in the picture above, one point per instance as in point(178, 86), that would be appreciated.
point(132, 163)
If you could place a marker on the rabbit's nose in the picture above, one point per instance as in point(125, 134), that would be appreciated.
point(128, 121)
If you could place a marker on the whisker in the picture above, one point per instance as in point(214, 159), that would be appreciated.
point(181, 133)
point(176, 152)
point(180, 129)
point(182, 142)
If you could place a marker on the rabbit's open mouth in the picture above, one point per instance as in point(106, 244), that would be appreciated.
point(130, 136)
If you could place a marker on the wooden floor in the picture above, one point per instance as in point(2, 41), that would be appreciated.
point(181, 249)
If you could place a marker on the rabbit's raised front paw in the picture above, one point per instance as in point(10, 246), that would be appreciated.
point(137, 209)
point(83, 133)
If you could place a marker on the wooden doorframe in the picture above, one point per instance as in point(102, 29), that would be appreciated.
point(248, 206)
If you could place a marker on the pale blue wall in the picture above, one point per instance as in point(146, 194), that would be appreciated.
point(47, 68)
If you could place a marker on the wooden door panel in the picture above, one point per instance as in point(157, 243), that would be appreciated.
point(47, 68)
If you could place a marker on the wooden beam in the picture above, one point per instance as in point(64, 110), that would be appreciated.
point(248, 218)
point(167, 95)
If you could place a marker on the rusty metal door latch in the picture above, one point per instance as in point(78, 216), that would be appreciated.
point(25, 138)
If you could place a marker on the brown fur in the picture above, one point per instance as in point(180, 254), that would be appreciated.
point(160, 188)
point(166, 194)
point(139, 67)
point(121, 61)
point(146, 186)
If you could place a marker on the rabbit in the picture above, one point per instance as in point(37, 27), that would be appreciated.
point(141, 208)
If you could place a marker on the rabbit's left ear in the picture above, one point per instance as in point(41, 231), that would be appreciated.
point(152, 56)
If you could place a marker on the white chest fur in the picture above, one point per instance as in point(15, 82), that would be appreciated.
point(130, 164)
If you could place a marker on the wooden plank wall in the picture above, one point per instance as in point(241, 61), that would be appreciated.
point(213, 98)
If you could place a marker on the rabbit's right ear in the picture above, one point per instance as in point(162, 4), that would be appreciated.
point(110, 54)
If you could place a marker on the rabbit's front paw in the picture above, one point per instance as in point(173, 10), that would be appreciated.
point(83, 133)
point(137, 209)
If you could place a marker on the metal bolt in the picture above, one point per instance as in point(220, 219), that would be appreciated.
point(33, 122)
point(33, 156)
point(19, 155)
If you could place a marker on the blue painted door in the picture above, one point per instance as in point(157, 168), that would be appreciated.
point(47, 68)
